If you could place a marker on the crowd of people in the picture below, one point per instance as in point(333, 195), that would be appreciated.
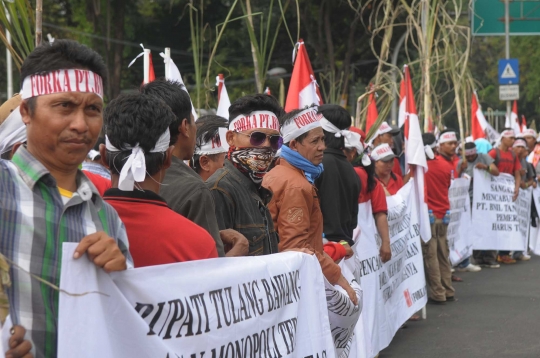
point(140, 182)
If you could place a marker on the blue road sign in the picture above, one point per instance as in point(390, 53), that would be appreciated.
point(509, 72)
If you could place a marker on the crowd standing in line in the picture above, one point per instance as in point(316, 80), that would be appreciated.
point(145, 159)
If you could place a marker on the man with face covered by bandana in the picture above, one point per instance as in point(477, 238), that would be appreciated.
point(253, 138)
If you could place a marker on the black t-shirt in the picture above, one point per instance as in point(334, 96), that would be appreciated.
point(339, 188)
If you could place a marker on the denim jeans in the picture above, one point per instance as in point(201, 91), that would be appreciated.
point(464, 263)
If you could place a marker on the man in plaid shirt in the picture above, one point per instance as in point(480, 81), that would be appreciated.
point(45, 200)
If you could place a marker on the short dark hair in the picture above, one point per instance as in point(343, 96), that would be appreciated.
point(288, 117)
point(59, 55)
point(136, 118)
point(207, 128)
point(255, 102)
point(470, 145)
point(339, 117)
point(174, 95)
point(428, 138)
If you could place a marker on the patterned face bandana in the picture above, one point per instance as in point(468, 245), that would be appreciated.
point(252, 162)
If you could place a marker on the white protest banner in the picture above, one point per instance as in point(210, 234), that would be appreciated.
point(342, 313)
point(393, 291)
point(534, 243)
point(499, 222)
point(458, 233)
point(267, 306)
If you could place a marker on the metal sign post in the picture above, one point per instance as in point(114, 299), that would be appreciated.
point(507, 47)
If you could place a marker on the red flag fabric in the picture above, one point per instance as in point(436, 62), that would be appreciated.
point(523, 123)
point(221, 81)
point(476, 127)
point(407, 105)
point(303, 88)
point(267, 91)
point(372, 112)
point(151, 74)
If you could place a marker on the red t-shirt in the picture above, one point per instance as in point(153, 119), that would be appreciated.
point(397, 168)
point(157, 235)
point(393, 185)
point(377, 195)
point(508, 163)
point(102, 184)
point(437, 181)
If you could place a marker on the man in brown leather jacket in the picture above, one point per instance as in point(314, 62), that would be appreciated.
point(295, 208)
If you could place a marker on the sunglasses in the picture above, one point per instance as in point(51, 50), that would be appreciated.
point(258, 138)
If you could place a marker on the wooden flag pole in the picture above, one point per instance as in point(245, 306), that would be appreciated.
point(39, 13)
point(146, 58)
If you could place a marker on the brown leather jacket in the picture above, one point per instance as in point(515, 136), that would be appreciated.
point(297, 215)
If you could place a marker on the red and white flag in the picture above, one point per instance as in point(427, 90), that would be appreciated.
point(480, 127)
point(372, 112)
point(513, 121)
point(267, 91)
point(148, 66)
point(173, 73)
point(223, 97)
point(523, 123)
point(303, 89)
point(415, 153)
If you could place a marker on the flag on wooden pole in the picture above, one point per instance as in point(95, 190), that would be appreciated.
point(303, 89)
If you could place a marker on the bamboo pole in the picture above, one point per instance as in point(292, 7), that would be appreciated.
point(258, 82)
point(39, 16)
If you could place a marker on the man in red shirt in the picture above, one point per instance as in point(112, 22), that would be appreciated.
point(436, 252)
point(138, 153)
point(507, 162)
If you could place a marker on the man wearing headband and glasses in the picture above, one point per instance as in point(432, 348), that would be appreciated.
point(137, 150)
point(436, 252)
point(295, 208)
point(339, 185)
point(507, 162)
point(45, 200)
point(210, 151)
point(253, 138)
point(482, 162)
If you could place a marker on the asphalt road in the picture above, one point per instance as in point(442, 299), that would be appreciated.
point(497, 314)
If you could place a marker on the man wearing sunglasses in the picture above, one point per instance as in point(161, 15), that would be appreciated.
point(253, 138)
point(295, 205)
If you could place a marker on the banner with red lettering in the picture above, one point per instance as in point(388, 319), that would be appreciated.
point(395, 290)
point(62, 81)
point(267, 306)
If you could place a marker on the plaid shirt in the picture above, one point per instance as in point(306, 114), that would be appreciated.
point(34, 222)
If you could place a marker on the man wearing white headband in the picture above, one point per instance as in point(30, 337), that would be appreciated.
point(339, 185)
point(253, 138)
point(211, 147)
point(62, 92)
point(507, 162)
point(295, 206)
point(386, 134)
point(483, 162)
point(138, 153)
point(436, 252)
point(182, 188)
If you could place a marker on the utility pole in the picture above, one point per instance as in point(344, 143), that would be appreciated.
point(507, 46)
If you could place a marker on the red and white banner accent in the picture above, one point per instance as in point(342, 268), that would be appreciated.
point(267, 91)
point(223, 97)
point(218, 144)
point(303, 89)
point(480, 128)
point(301, 123)
point(414, 148)
point(382, 152)
point(448, 137)
point(60, 81)
point(254, 120)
